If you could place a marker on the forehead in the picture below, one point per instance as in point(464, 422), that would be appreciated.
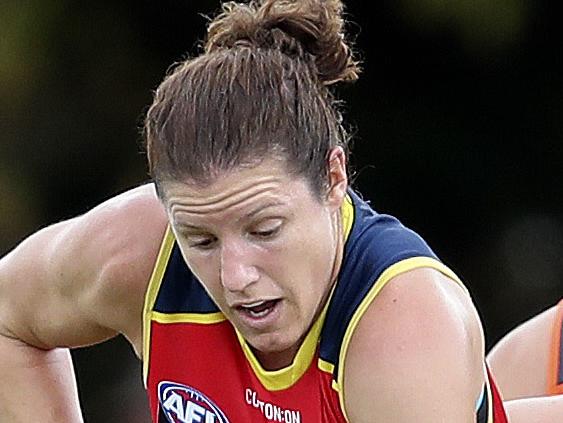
point(237, 189)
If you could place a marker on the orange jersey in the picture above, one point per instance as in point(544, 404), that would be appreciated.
point(555, 371)
point(198, 368)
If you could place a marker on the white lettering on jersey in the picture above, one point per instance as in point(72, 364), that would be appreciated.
point(271, 411)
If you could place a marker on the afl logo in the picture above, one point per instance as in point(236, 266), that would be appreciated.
point(183, 404)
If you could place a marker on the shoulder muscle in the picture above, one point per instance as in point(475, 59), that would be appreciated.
point(82, 280)
point(417, 353)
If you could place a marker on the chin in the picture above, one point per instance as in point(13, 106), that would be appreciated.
point(270, 343)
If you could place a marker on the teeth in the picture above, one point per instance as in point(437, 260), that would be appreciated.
point(258, 309)
point(256, 304)
point(259, 313)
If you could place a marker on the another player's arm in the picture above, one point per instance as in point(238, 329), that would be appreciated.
point(520, 360)
point(535, 410)
point(72, 284)
point(417, 354)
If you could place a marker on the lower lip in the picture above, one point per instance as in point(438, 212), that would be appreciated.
point(261, 322)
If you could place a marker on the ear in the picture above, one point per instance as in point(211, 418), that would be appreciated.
point(337, 177)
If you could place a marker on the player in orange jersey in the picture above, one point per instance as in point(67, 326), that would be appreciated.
point(528, 364)
point(528, 361)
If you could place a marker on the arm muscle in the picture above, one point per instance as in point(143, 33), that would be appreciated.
point(416, 355)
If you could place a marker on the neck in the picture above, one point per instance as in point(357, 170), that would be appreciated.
point(339, 250)
point(279, 359)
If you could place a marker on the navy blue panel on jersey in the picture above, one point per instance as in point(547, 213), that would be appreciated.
point(180, 291)
point(376, 241)
point(483, 406)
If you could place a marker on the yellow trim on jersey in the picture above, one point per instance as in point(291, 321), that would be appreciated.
point(388, 274)
point(200, 318)
point(151, 294)
point(347, 212)
point(328, 367)
point(273, 380)
point(277, 380)
point(325, 366)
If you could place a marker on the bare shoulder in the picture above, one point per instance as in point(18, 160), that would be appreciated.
point(419, 344)
point(124, 232)
point(520, 360)
point(83, 280)
point(121, 238)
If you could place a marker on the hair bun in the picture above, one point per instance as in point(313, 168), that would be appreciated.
point(299, 28)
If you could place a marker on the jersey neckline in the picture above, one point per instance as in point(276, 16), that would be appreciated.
point(276, 380)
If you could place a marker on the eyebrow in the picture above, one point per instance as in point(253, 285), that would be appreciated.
point(191, 228)
point(261, 208)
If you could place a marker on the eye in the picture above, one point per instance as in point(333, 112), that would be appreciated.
point(201, 242)
point(265, 234)
point(266, 231)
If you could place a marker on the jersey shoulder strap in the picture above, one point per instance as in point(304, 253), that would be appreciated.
point(378, 247)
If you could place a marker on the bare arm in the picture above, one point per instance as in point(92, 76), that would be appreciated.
point(536, 410)
point(417, 354)
point(520, 361)
point(72, 284)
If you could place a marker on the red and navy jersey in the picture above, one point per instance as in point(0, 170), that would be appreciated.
point(198, 368)
point(555, 371)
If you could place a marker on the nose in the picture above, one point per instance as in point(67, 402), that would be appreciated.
point(237, 270)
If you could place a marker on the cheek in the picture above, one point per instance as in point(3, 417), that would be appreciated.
point(309, 261)
point(205, 269)
point(315, 245)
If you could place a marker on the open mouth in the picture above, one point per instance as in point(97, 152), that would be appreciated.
point(259, 309)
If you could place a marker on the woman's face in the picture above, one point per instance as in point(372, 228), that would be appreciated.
point(264, 246)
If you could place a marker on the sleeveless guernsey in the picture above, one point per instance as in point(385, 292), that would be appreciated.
point(198, 368)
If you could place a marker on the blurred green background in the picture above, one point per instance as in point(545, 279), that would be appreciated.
point(457, 120)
